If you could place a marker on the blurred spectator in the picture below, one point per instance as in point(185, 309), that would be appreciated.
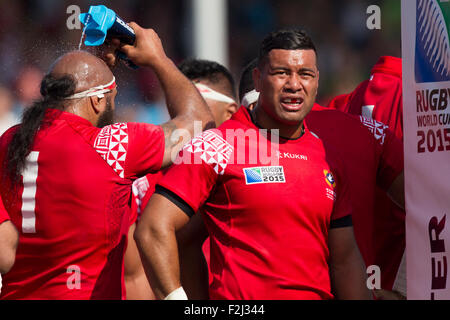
point(35, 33)
point(27, 87)
point(7, 116)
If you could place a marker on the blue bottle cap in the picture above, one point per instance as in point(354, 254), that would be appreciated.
point(97, 22)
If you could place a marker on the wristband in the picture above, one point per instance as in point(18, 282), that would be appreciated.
point(177, 294)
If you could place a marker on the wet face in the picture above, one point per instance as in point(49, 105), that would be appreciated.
point(287, 81)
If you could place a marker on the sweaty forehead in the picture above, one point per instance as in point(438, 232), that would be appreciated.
point(292, 58)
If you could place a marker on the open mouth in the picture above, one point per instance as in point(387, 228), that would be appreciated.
point(292, 104)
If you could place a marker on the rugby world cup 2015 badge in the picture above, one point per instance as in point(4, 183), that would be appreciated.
point(268, 174)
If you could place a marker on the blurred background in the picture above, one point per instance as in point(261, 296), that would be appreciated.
point(34, 33)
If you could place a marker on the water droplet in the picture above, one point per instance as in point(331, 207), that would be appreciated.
point(84, 31)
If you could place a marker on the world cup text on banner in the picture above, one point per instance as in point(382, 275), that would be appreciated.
point(426, 122)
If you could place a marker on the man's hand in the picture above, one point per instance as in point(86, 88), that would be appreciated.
point(147, 50)
point(107, 52)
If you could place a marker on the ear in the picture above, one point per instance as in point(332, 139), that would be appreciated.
point(96, 104)
point(231, 108)
point(256, 75)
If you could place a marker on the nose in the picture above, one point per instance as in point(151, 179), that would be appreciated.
point(293, 83)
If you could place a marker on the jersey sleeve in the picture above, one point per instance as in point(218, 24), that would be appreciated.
point(342, 209)
point(3, 213)
point(391, 161)
point(390, 152)
point(130, 149)
point(196, 170)
point(145, 149)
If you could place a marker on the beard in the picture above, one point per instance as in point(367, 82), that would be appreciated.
point(107, 116)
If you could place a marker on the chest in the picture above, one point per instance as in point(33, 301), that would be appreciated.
point(297, 183)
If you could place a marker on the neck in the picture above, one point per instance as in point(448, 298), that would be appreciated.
point(268, 121)
point(80, 110)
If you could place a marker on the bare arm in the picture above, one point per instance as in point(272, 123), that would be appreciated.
point(194, 269)
point(136, 283)
point(184, 102)
point(397, 191)
point(9, 239)
point(155, 237)
point(347, 270)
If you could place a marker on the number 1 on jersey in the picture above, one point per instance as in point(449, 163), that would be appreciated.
point(29, 193)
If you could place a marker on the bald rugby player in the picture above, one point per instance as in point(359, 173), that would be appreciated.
point(67, 172)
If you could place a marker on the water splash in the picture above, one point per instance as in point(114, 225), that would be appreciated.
point(84, 31)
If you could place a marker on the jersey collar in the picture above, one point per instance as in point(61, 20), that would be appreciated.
point(53, 114)
point(243, 116)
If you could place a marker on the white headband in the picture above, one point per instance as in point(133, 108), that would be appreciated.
point(95, 91)
point(208, 93)
point(250, 98)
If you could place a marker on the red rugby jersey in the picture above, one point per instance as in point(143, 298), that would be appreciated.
point(73, 205)
point(268, 221)
point(372, 157)
point(380, 98)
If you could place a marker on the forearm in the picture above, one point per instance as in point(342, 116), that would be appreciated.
point(349, 279)
point(194, 269)
point(159, 252)
point(194, 272)
point(347, 268)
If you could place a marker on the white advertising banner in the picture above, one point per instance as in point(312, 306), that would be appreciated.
point(426, 125)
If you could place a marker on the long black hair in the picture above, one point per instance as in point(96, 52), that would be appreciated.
point(53, 91)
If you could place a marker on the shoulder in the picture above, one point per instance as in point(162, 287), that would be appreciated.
point(8, 134)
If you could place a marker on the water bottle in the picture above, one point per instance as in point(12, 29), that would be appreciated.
point(102, 24)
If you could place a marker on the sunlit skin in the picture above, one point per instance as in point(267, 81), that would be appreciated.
point(88, 71)
point(287, 81)
point(222, 111)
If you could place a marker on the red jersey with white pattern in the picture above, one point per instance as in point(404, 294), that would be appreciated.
point(3, 213)
point(380, 98)
point(143, 188)
point(268, 208)
point(72, 207)
point(372, 157)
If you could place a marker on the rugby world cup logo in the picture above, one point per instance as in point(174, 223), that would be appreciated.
point(432, 60)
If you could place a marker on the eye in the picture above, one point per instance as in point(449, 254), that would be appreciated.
point(307, 75)
point(281, 72)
